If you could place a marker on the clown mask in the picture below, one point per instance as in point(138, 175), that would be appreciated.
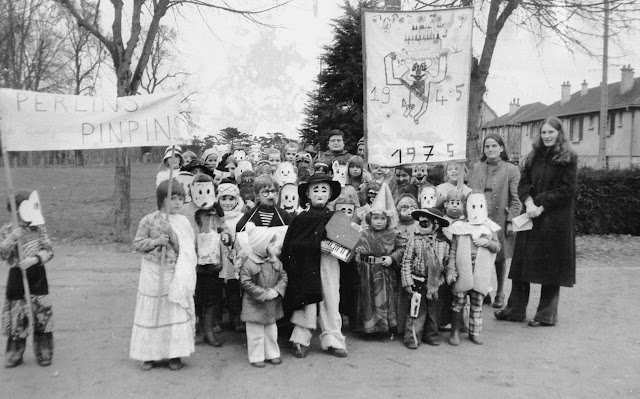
point(203, 194)
point(405, 207)
point(30, 212)
point(428, 197)
point(476, 208)
point(185, 178)
point(319, 194)
point(420, 172)
point(289, 198)
point(376, 171)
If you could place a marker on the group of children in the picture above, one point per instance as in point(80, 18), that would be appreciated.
point(238, 230)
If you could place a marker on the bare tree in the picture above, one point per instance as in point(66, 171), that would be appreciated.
point(129, 72)
point(158, 70)
point(31, 46)
point(574, 22)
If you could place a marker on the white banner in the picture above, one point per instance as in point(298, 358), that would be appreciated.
point(31, 121)
point(417, 74)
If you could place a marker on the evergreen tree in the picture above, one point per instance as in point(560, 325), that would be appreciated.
point(338, 102)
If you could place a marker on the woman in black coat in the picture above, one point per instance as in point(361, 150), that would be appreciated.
point(545, 254)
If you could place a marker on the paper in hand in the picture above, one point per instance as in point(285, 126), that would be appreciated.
point(522, 223)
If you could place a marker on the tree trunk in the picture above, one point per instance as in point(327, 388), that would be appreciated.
point(122, 195)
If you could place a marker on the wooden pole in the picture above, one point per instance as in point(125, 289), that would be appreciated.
point(604, 92)
point(14, 214)
point(167, 205)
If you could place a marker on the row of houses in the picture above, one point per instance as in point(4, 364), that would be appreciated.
point(580, 115)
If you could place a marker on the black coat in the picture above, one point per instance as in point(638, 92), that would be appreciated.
point(301, 258)
point(546, 254)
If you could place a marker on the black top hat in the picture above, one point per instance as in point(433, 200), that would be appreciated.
point(315, 178)
point(197, 164)
point(431, 213)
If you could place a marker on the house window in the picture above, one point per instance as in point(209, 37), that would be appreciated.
point(592, 122)
point(611, 122)
point(576, 127)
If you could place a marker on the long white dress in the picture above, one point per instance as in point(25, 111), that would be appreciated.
point(173, 335)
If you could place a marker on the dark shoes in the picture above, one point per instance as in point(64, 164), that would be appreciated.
point(275, 361)
point(258, 364)
point(410, 344)
point(213, 339)
point(14, 352)
point(175, 364)
point(432, 342)
point(43, 343)
point(535, 323)
point(300, 350)
point(505, 316)
point(337, 352)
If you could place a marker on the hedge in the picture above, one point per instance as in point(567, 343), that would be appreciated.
point(608, 201)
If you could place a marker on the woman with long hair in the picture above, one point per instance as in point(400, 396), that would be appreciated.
point(545, 254)
point(498, 179)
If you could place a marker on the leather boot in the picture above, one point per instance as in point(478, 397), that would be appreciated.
point(14, 351)
point(47, 350)
point(454, 339)
point(38, 344)
point(208, 322)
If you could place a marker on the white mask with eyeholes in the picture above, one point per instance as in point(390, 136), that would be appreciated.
point(30, 211)
point(203, 194)
point(477, 209)
point(185, 178)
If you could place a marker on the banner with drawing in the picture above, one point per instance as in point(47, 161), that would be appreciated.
point(417, 73)
point(31, 121)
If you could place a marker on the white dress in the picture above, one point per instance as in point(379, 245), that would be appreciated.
point(173, 335)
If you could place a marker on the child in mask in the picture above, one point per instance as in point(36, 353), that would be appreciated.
point(425, 256)
point(314, 274)
point(473, 251)
point(168, 163)
point(31, 235)
point(264, 282)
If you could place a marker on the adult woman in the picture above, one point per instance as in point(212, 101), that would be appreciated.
point(498, 179)
point(545, 254)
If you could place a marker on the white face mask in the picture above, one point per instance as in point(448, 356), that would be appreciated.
point(477, 208)
point(289, 197)
point(203, 194)
point(339, 173)
point(428, 197)
point(185, 178)
point(30, 211)
point(285, 173)
point(319, 193)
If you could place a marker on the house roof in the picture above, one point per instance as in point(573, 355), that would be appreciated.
point(590, 102)
point(515, 119)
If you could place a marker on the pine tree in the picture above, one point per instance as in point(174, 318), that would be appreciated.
point(338, 102)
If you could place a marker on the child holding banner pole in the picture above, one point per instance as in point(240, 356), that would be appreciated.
point(164, 321)
point(18, 311)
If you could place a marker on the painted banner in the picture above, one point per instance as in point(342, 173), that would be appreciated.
point(417, 72)
point(31, 121)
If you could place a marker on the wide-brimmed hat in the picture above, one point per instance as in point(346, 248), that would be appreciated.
point(197, 164)
point(316, 178)
point(431, 213)
point(176, 152)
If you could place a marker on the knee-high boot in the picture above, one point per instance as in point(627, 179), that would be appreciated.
point(456, 323)
point(14, 351)
point(208, 322)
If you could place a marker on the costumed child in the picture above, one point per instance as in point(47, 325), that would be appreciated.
point(378, 298)
point(370, 192)
point(403, 181)
point(426, 254)
point(264, 282)
point(233, 206)
point(419, 175)
point(31, 235)
point(205, 217)
point(453, 172)
point(289, 152)
point(289, 200)
point(211, 157)
point(168, 163)
point(473, 252)
point(304, 162)
point(273, 156)
point(428, 197)
point(164, 321)
point(314, 274)
point(189, 156)
point(286, 173)
point(357, 176)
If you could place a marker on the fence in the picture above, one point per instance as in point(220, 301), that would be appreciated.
point(78, 158)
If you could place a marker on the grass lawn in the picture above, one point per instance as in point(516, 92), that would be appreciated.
point(77, 203)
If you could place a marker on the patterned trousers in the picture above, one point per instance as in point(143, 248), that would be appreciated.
point(475, 313)
point(15, 316)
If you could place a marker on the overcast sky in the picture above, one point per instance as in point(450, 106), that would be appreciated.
point(257, 78)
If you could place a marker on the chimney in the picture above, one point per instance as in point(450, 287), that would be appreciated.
point(565, 94)
point(514, 106)
point(585, 88)
point(626, 83)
